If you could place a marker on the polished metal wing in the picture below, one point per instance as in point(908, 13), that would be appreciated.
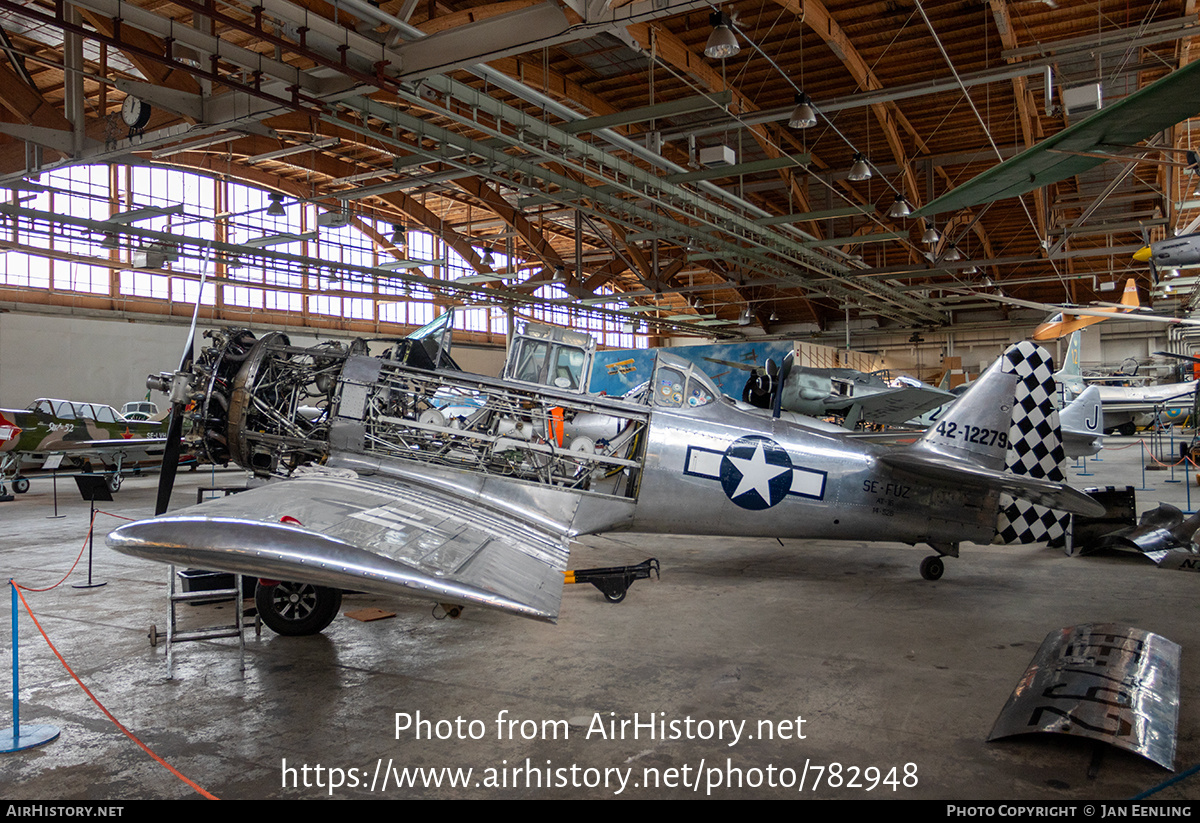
point(336, 528)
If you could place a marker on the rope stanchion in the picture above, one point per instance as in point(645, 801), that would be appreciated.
point(1144, 487)
point(88, 692)
point(79, 556)
point(22, 737)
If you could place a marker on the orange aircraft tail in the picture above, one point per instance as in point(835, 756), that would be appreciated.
point(1130, 297)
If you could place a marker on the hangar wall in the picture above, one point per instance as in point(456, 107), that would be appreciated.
point(106, 361)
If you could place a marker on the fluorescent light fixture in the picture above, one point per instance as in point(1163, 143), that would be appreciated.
point(278, 239)
point(361, 176)
point(473, 279)
point(410, 264)
point(202, 143)
point(134, 215)
point(323, 143)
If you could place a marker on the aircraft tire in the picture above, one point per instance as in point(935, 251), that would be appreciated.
point(932, 567)
point(297, 609)
point(1127, 429)
point(20, 485)
point(114, 482)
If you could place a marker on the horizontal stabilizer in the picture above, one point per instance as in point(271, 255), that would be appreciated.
point(897, 406)
point(1043, 492)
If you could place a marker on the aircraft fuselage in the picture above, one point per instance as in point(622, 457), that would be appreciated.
point(720, 470)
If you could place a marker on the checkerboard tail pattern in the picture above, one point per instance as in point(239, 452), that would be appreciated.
point(1034, 447)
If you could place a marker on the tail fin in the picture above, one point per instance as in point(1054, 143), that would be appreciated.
point(1130, 296)
point(1035, 447)
point(1002, 437)
point(1083, 424)
point(975, 427)
point(1071, 375)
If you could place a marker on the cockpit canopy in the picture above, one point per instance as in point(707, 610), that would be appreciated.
point(549, 356)
point(68, 410)
point(679, 383)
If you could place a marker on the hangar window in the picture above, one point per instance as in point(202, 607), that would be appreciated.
point(300, 261)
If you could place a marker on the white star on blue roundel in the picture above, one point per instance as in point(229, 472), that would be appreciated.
point(756, 473)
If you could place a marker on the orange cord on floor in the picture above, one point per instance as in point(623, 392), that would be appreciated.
point(19, 589)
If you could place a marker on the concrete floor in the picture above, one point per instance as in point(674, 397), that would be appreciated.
point(885, 669)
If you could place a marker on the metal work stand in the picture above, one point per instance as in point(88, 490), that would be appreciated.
point(175, 636)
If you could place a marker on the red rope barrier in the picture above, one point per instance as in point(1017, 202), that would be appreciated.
point(100, 705)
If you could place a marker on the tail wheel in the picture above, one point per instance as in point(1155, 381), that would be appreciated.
point(932, 567)
point(296, 609)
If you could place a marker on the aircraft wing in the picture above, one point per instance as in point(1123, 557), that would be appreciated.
point(1127, 122)
point(897, 406)
point(1047, 493)
point(350, 532)
point(1084, 311)
point(149, 446)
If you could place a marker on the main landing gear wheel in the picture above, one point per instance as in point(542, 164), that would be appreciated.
point(295, 609)
point(21, 485)
point(932, 567)
point(114, 482)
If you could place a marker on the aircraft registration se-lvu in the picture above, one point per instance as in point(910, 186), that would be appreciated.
point(82, 432)
point(406, 476)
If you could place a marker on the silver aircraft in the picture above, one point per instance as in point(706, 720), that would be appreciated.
point(401, 475)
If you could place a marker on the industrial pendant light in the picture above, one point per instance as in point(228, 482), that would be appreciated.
point(860, 170)
point(399, 236)
point(952, 254)
point(275, 208)
point(804, 115)
point(931, 236)
point(900, 208)
point(722, 43)
point(489, 259)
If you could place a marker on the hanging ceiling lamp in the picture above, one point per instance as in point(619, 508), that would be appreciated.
point(399, 236)
point(275, 208)
point(931, 236)
point(722, 43)
point(952, 254)
point(860, 170)
point(489, 259)
point(804, 115)
point(900, 207)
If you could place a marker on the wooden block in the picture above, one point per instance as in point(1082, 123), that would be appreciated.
point(367, 615)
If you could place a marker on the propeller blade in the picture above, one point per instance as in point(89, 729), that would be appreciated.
point(789, 360)
point(170, 463)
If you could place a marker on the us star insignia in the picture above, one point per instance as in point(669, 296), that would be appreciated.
point(755, 472)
